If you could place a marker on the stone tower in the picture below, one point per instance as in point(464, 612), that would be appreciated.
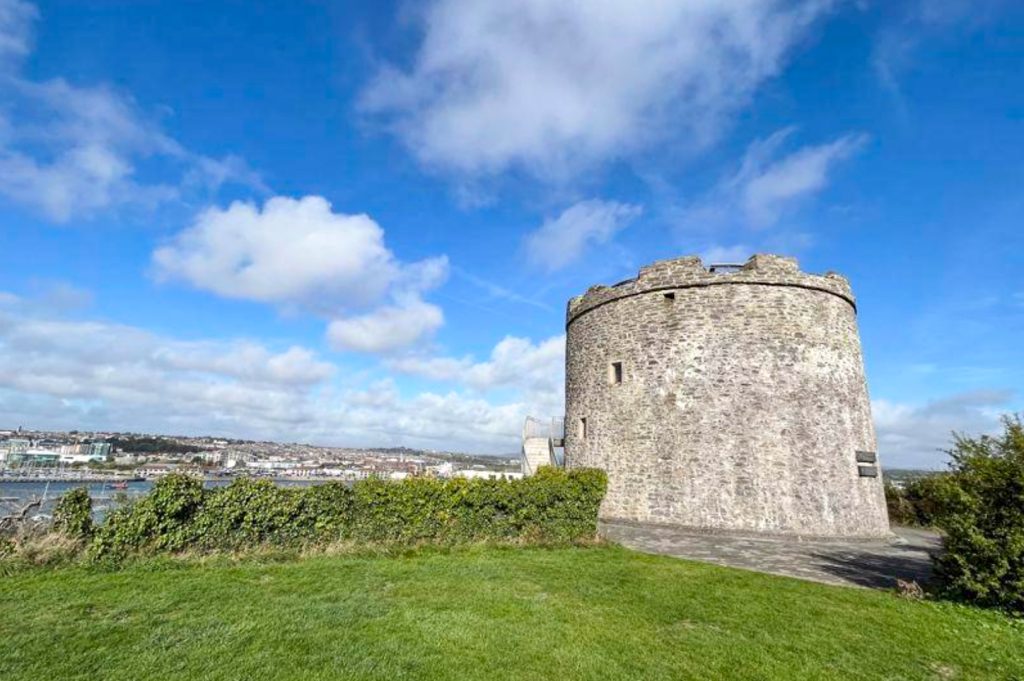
point(728, 398)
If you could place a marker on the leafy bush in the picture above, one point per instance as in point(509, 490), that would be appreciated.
point(901, 511)
point(178, 514)
point(917, 503)
point(249, 512)
point(161, 520)
point(980, 506)
point(72, 515)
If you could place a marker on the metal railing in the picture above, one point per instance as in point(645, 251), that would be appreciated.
point(547, 428)
point(725, 267)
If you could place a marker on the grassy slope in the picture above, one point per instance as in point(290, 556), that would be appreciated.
point(602, 613)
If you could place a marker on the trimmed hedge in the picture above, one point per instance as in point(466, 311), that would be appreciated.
point(180, 514)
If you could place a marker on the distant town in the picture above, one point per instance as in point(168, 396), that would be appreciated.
point(94, 456)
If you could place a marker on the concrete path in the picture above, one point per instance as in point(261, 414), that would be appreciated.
point(865, 564)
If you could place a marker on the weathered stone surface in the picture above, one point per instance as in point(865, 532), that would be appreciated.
point(742, 405)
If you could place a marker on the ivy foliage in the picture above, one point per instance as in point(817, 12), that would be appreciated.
point(179, 514)
point(72, 516)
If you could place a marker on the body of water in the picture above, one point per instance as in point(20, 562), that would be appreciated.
point(14, 495)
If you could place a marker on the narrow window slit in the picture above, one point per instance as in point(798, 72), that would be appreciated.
point(615, 374)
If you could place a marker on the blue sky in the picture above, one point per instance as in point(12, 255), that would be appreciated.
point(359, 225)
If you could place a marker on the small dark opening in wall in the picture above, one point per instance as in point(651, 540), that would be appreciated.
point(671, 295)
point(616, 373)
point(583, 428)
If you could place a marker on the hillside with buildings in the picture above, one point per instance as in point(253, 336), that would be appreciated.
point(79, 455)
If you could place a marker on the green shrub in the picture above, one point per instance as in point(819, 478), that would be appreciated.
point(980, 506)
point(901, 511)
point(161, 520)
point(925, 497)
point(917, 502)
point(246, 513)
point(72, 515)
point(178, 514)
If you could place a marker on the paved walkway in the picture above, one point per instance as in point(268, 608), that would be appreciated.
point(852, 563)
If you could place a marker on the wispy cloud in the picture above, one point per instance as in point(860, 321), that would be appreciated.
point(537, 368)
point(497, 291)
point(16, 20)
point(71, 151)
point(726, 254)
point(918, 435)
point(897, 45)
point(769, 184)
point(563, 240)
point(553, 88)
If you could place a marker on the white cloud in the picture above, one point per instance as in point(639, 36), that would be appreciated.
point(213, 173)
point(62, 343)
point(16, 19)
point(301, 252)
point(768, 188)
point(720, 255)
point(917, 435)
point(561, 241)
point(62, 373)
point(245, 360)
point(768, 185)
point(288, 250)
point(532, 373)
point(69, 151)
point(386, 329)
point(552, 87)
point(436, 420)
point(514, 362)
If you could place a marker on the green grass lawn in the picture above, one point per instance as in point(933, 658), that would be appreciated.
point(482, 613)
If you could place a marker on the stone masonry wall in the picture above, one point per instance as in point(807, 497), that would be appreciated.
point(742, 406)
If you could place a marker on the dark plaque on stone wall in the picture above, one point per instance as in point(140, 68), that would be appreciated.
point(868, 471)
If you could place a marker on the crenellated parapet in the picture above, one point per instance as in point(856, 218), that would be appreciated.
point(690, 272)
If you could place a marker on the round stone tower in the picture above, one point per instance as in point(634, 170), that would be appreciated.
point(727, 398)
